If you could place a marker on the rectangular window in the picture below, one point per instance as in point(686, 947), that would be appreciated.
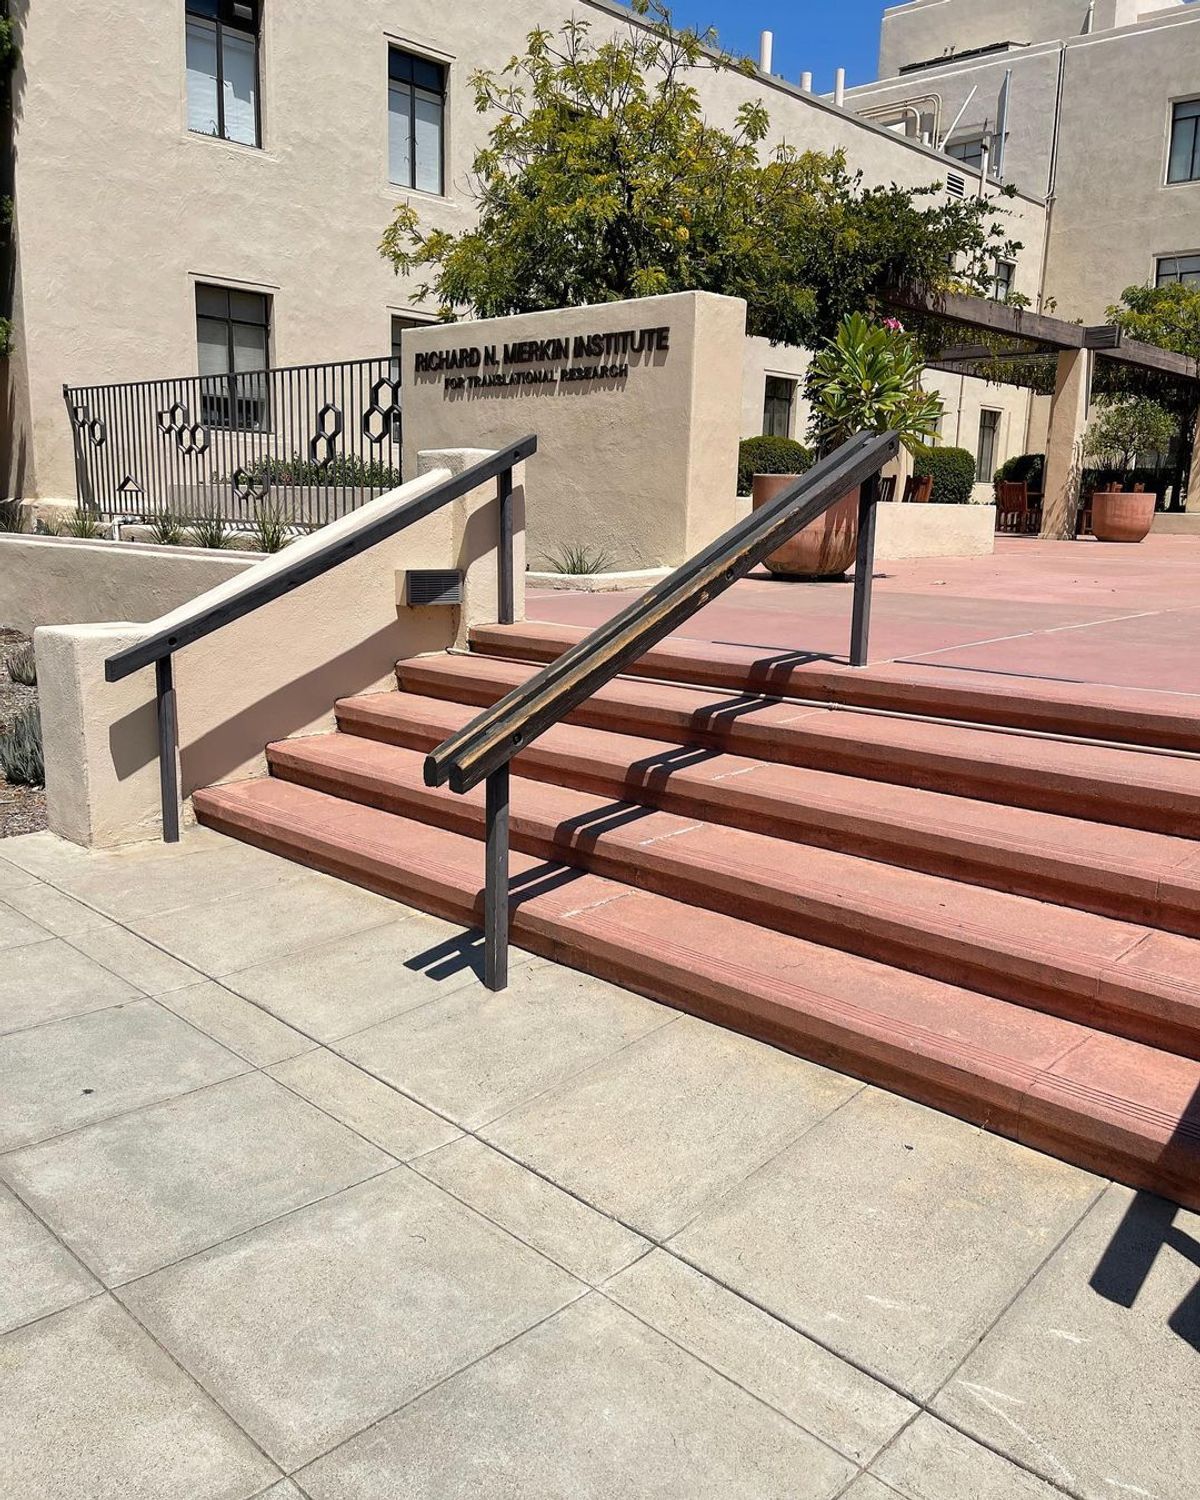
point(985, 453)
point(416, 122)
point(222, 69)
point(1002, 281)
point(1181, 268)
point(968, 149)
point(777, 406)
point(233, 340)
point(1184, 162)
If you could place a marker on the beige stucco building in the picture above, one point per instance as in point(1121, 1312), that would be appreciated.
point(229, 210)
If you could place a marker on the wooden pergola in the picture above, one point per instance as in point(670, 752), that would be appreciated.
point(1018, 341)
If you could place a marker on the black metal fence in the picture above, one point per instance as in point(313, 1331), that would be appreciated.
point(304, 444)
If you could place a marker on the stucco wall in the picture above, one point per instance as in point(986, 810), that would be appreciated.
point(640, 467)
point(49, 580)
point(121, 210)
point(925, 29)
point(908, 531)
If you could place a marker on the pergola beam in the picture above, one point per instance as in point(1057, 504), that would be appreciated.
point(1055, 334)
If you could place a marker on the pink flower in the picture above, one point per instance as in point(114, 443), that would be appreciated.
point(893, 325)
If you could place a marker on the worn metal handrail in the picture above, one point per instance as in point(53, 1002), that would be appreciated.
point(483, 749)
point(322, 553)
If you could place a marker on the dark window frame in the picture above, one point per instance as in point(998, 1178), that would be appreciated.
point(954, 148)
point(1190, 120)
point(774, 401)
point(222, 403)
point(1190, 277)
point(222, 16)
point(401, 62)
point(984, 472)
point(1002, 285)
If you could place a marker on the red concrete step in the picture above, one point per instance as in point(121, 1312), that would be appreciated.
point(1115, 976)
point(1108, 1104)
point(1160, 793)
point(1126, 715)
point(1118, 872)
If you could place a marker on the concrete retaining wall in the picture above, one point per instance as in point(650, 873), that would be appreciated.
point(272, 674)
point(1176, 523)
point(908, 531)
point(59, 580)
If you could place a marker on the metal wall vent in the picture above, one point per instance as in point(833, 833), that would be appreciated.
point(956, 186)
point(425, 586)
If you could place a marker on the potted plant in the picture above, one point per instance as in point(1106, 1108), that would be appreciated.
point(1125, 428)
point(866, 379)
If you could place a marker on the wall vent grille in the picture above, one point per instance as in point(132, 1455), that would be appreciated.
point(956, 186)
point(432, 586)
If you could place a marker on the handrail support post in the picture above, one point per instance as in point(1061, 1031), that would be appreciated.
point(168, 743)
point(506, 609)
point(495, 892)
point(864, 568)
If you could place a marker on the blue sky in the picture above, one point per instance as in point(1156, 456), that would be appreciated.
point(817, 34)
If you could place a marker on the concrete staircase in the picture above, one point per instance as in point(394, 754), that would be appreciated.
point(966, 906)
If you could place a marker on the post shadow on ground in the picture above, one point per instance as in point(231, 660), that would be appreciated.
point(1147, 1229)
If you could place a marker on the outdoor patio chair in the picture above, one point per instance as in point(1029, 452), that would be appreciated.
point(887, 489)
point(918, 489)
point(1012, 506)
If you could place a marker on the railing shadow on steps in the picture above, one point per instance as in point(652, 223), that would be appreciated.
point(482, 750)
point(283, 573)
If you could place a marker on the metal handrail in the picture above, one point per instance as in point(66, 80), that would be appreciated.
point(483, 749)
point(286, 574)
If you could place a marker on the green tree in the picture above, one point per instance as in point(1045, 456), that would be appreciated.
point(1127, 427)
point(602, 179)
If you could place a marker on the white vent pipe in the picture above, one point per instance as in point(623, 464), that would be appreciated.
point(839, 87)
point(766, 43)
point(806, 82)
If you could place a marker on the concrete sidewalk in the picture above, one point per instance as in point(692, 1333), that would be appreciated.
point(292, 1207)
point(1126, 616)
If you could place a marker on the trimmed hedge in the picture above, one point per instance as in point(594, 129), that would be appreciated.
point(770, 455)
point(953, 471)
point(1027, 466)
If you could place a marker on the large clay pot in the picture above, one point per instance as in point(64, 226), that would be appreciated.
point(824, 549)
point(1122, 515)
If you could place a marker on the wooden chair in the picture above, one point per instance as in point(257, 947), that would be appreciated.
point(918, 489)
point(1012, 506)
point(887, 489)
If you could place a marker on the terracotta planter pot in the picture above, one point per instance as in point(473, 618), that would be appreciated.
point(1122, 515)
point(823, 550)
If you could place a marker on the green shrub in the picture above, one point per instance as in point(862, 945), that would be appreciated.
point(210, 531)
point(578, 558)
point(1029, 467)
point(82, 523)
point(12, 515)
point(21, 759)
point(271, 531)
point(770, 455)
point(167, 530)
point(953, 471)
point(22, 667)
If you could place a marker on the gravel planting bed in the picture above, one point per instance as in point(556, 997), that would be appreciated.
point(22, 808)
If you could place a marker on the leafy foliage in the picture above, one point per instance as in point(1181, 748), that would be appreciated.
point(1167, 316)
point(82, 523)
point(271, 531)
point(602, 180)
point(868, 379)
point(12, 515)
point(1126, 428)
point(344, 470)
point(211, 530)
point(770, 455)
point(21, 760)
point(575, 557)
point(953, 471)
point(22, 665)
point(167, 530)
point(1030, 467)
